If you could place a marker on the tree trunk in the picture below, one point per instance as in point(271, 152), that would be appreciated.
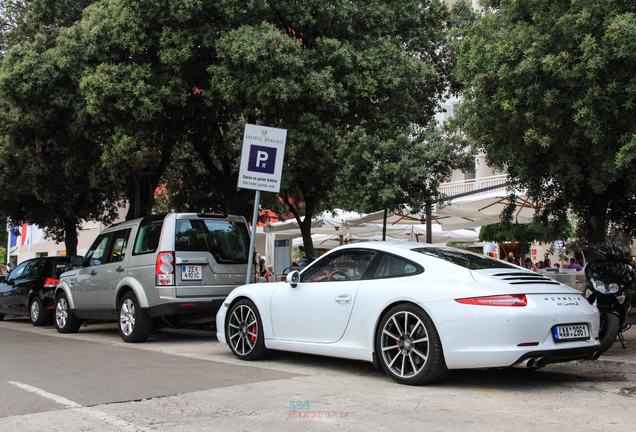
point(305, 230)
point(305, 225)
point(70, 237)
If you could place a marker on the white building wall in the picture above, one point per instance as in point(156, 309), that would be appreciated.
point(85, 238)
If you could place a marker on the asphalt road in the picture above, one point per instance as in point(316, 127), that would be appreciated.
point(186, 381)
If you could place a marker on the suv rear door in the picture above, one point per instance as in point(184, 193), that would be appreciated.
point(211, 255)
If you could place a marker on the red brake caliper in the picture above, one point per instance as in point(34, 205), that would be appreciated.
point(253, 331)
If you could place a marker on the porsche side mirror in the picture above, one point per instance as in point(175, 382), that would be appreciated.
point(293, 278)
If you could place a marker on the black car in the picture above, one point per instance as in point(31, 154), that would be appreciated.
point(30, 288)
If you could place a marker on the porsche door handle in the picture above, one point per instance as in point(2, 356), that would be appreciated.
point(343, 299)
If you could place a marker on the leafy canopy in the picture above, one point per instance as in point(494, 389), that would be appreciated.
point(550, 96)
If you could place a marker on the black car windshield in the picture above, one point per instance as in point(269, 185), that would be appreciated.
point(469, 260)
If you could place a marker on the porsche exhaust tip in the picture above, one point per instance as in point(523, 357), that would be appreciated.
point(531, 363)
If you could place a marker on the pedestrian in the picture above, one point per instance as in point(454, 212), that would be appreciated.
point(547, 263)
point(270, 273)
point(511, 257)
point(574, 265)
point(528, 263)
point(259, 266)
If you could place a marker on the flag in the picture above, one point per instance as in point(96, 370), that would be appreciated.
point(32, 234)
point(14, 237)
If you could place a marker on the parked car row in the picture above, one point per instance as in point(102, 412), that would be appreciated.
point(170, 269)
point(416, 311)
point(29, 290)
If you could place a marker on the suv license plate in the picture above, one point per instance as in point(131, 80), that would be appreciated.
point(570, 332)
point(191, 272)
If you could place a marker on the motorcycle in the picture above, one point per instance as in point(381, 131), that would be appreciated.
point(610, 275)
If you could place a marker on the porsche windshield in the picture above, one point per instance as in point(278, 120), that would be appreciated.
point(469, 260)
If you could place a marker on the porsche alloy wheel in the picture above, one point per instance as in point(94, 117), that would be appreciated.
point(244, 331)
point(409, 348)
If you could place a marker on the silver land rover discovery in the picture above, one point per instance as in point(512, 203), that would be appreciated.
point(171, 269)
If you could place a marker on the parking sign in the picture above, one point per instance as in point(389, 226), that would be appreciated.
point(262, 158)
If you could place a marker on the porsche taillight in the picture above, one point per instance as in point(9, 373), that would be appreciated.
point(164, 270)
point(500, 300)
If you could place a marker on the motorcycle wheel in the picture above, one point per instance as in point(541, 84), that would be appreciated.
point(608, 331)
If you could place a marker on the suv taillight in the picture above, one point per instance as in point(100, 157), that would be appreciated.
point(51, 283)
point(165, 268)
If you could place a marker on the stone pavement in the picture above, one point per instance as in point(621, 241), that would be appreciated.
point(617, 358)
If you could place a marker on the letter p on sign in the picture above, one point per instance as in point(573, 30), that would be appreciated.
point(262, 159)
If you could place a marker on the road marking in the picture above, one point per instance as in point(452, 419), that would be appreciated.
point(99, 415)
point(59, 399)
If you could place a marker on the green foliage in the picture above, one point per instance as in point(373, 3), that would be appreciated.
point(550, 95)
point(390, 174)
point(524, 233)
point(182, 78)
point(50, 173)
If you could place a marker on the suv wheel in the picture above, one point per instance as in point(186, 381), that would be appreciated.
point(37, 312)
point(65, 321)
point(134, 323)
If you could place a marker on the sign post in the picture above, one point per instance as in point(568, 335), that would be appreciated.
point(261, 169)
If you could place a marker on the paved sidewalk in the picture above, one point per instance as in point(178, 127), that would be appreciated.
point(617, 358)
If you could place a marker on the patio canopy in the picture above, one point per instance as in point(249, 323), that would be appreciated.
point(488, 207)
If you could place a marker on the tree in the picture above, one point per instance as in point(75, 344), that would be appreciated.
point(50, 173)
point(156, 76)
point(525, 234)
point(330, 73)
point(550, 96)
point(404, 172)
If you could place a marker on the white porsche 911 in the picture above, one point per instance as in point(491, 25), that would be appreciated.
point(414, 310)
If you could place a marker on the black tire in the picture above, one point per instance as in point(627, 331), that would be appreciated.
point(408, 346)
point(244, 331)
point(610, 327)
point(134, 323)
point(37, 312)
point(1, 317)
point(65, 320)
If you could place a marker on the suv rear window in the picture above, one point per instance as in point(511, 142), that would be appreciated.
point(227, 241)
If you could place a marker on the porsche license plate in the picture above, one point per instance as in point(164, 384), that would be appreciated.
point(570, 332)
point(191, 272)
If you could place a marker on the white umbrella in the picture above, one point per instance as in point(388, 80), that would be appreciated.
point(445, 221)
point(325, 223)
point(488, 207)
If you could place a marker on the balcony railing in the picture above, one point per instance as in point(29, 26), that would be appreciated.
point(463, 186)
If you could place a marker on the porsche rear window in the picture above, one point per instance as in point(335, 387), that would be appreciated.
point(469, 260)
